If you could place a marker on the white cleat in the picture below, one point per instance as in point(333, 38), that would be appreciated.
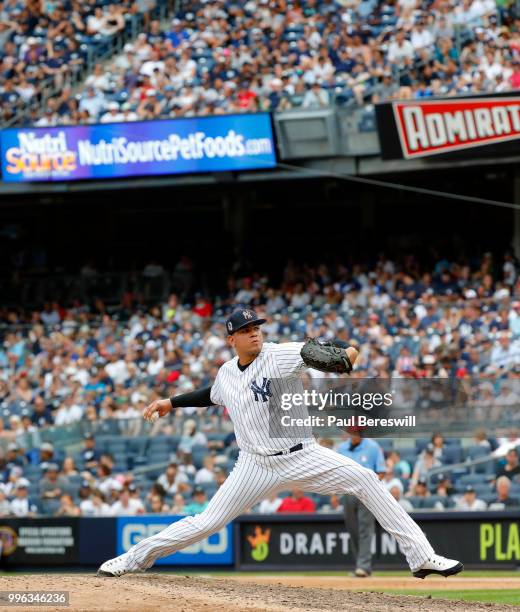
point(114, 568)
point(439, 565)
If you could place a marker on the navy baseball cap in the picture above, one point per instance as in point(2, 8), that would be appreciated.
point(241, 318)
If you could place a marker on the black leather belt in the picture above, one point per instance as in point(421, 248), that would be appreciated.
point(288, 450)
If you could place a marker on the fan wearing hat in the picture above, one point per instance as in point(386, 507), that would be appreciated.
point(273, 455)
point(469, 501)
point(52, 484)
point(21, 505)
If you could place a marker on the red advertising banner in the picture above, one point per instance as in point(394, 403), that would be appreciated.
point(431, 127)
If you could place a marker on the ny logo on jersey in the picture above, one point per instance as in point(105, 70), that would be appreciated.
point(263, 390)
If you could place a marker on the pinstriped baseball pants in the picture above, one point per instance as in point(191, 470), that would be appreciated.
point(314, 469)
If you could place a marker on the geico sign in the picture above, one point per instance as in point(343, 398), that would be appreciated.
point(135, 532)
point(439, 126)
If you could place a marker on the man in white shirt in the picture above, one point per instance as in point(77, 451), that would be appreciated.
point(470, 502)
point(21, 506)
point(206, 475)
point(270, 504)
point(172, 478)
point(93, 102)
point(126, 505)
point(95, 506)
point(421, 38)
point(400, 49)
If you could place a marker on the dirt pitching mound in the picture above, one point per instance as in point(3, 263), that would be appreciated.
point(153, 592)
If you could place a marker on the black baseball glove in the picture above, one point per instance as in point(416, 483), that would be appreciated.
point(326, 357)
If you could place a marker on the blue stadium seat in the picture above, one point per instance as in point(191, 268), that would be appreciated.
point(385, 443)
point(428, 503)
point(451, 454)
point(475, 452)
point(198, 453)
point(137, 445)
point(50, 506)
point(158, 457)
point(452, 442)
point(420, 444)
point(470, 479)
point(409, 454)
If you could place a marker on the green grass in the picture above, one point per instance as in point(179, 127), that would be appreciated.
point(502, 596)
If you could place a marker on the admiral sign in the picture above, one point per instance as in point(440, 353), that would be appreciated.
point(423, 128)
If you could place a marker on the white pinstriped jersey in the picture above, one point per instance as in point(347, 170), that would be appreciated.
point(252, 395)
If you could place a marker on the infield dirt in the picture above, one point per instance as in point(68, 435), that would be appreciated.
point(152, 592)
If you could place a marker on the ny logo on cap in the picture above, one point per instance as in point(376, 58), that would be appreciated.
point(230, 326)
point(247, 314)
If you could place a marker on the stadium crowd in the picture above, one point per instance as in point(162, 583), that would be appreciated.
point(224, 57)
point(77, 368)
point(47, 41)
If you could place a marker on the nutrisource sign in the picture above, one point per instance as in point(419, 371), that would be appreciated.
point(223, 143)
point(423, 128)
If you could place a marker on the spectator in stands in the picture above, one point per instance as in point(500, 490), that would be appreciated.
point(95, 505)
point(437, 442)
point(511, 468)
point(41, 415)
point(172, 480)
point(424, 464)
point(297, 502)
point(397, 493)
point(316, 97)
point(105, 480)
point(480, 439)
point(505, 444)
point(198, 503)
point(334, 505)
point(14, 456)
point(90, 454)
point(503, 499)
point(206, 474)
point(419, 489)
point(400, 467)
point(21, 505)
point(5, 507)
point(191, 437)
point(270, 505)
point(127, 505)
point(69, 468)
point(158, 506)
point(179, 504)
point(67, 507)
point(52, 483)
point(469, 501)
point(220, 476)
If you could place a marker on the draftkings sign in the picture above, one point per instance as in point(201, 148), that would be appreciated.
point(422, 128)
point(314, 542)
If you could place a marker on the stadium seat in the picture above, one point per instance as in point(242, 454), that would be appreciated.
point(50, 506)
point(138, 445)
point(420, 444)
point(409, 455)
point(451, 454)
point(198, 453)
point(476, 452)
point(385, 443)
point(470, 479)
